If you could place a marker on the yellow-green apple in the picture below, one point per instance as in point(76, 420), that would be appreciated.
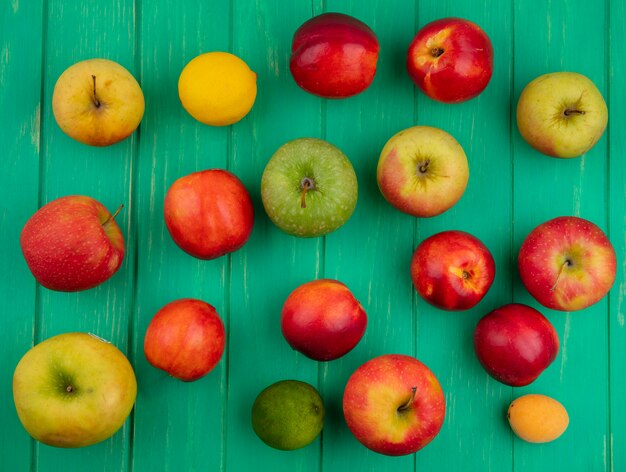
point(209, 213)
point(323, 320)
point(185, 338)
point(334, 55)
point(309, 187)
point(515, 344)
point(73, 390)
point(562, 114)
point(567, 263)
point(450, 60)
point(452, 270)
point(72, 243)
point(394, 404)
point(97, 102)
point(422, 171)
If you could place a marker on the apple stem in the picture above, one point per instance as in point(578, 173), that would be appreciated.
point(423, 166)
point(112, 217)
point(408, 404)
point(306, 185)
point(436, 52)
point(96, 101)
point(569, 112)
point(69, 389)
point(565, 264)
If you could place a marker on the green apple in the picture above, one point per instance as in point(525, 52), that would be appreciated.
point(561, 114)
point(309, 187)
point(73, 390)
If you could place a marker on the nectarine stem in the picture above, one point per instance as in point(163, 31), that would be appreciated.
point(565, 264)
point(96, 101)
point(112, 217)
point(408, 404)
point(306, 185)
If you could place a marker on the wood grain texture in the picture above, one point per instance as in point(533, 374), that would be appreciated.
point(20, 111)
point(205, 425)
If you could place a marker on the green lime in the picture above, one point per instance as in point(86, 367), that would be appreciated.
point(288, 414)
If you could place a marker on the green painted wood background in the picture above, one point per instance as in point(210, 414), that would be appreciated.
point(206, 425)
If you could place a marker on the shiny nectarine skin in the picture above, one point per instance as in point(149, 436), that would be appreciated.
point(515, 344)
point(451, 60)
point(323, 320)
point(452, 270)
point(334, 56)
point(186, 339)
point(209, 213)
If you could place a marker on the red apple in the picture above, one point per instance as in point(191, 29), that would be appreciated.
point(185, 338)
point(72, 243)
point(334, 55)
point(567, 263)
point(209, 213)
point(452, 270)
point(450, 60)
point(515, 343)
point(394, 405)
point(323, 320)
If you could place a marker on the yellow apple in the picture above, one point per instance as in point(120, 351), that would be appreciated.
point(562, 114)
point(73, 390)
point(97, 102)
point(422, 171)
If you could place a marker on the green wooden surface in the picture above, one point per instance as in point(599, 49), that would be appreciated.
point(205, 425)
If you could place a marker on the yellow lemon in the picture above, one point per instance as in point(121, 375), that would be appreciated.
point(217, 88)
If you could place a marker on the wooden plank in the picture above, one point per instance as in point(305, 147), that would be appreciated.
point(475, 435)
point(616, 33)
point(77, 31)
point(272, 263)
point(546, 188)
point(371, 252)
point(20, 102)
point(178, 425)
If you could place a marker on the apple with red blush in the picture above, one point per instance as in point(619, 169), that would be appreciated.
point(209, 213)
point(334, 55)
point(450, 60)
point(567, 263)
point(185, 338)
point(72, 243)
point(515, 344)
point(452, 270)
point(323, 320)
point(394, 404)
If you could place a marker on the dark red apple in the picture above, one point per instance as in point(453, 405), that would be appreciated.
point(567, 263)
point(72, 243)
point(209, 213)
point(185, 338)
point(515, 343)
point(334, 55)
point(450, 60)
point(323, 320)
point(452, 270)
